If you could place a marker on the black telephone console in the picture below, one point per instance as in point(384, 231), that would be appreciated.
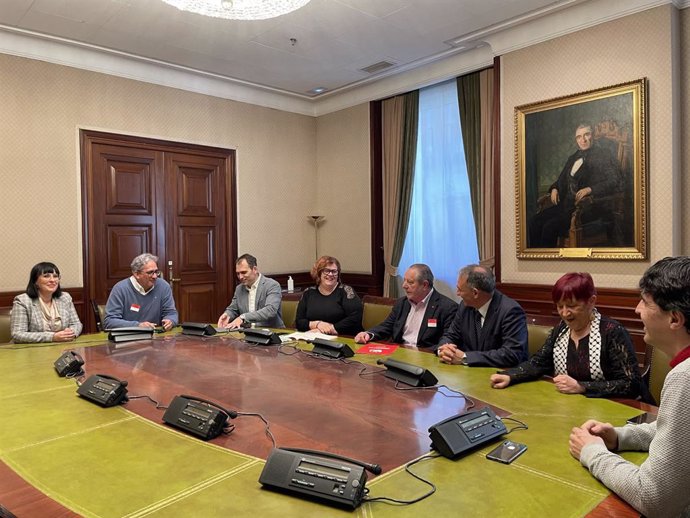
point(198, 329)
point(197, 416)
point(69, 364)
point(321, 475)
point(464, 432)
point(104, 390)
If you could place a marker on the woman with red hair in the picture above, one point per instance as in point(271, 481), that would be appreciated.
point(330, 307)
point(586, 353)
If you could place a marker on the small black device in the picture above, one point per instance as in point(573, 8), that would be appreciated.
point(261, 336)
point(647, 417)
point(464, 432)
point(331, 349)
point(320, 475)
point(69, 364)
point(129, 334)
point(197, 416)
point(104, 390)
point(507, 452)
point(198, 329)
point(408, 373)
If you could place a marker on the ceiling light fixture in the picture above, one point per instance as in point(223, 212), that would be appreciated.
point(239, 9)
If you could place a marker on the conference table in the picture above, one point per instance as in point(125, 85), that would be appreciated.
point(63, 455)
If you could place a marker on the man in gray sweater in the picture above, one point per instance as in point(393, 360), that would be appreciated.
point(659, 487)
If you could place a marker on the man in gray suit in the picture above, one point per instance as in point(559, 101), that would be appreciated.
point(257, 299)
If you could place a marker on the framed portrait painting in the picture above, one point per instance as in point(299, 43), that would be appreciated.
point(580, 187)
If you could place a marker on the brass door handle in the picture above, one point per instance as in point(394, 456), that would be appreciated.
point(175, 280)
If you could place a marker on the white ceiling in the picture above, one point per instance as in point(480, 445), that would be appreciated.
point(334, 39)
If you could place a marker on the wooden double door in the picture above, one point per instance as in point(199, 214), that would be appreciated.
point(173, 200)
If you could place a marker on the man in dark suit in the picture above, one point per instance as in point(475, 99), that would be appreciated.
point(591, 170)
point(489, 328)
point(419, 318)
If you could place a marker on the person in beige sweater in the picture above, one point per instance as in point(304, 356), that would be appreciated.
point(658, 487)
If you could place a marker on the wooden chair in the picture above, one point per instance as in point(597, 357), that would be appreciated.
point(98, 314)
point(288, 309)
point(536, 336)
point(5, 331)
point(376, 309)
point(658, 369)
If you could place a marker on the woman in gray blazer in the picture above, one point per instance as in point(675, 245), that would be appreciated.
point(44, 313)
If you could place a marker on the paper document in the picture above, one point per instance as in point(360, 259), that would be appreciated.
point(308, 335)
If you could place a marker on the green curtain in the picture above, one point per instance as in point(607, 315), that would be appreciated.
point(409, 157)
point(471, 123)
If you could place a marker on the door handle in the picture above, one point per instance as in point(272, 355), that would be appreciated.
point(171, 276)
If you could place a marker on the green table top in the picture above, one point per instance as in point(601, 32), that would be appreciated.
point(112, 462)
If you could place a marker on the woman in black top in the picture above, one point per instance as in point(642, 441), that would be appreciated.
point(330, 307)
point(586, 353)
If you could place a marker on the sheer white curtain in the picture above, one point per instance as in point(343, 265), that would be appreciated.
point(441, 232)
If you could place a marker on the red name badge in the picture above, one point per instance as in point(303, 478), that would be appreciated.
point(431, 322)
point(135, 307)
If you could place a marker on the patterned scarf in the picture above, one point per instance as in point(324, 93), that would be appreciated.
point(560, 349)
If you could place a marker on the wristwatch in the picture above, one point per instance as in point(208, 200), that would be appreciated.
point(464, 360)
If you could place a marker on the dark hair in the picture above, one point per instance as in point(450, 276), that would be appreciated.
point(479, 277)
point(320, 266)
point(423, 273)
point(575, 286)
point(36, 272)
point(668, 283)
point(251, 260)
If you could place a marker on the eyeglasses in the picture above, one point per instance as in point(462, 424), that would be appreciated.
point(151, 273)
point(328, 271)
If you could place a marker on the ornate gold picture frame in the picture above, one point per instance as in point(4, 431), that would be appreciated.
point(580, 182)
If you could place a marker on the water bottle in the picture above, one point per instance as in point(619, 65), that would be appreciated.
point(291, 284)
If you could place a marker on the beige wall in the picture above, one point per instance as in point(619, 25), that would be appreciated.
point(43, 107)
point(626, 49)
point(343, 187)
point(289, 165)
point(685, 126)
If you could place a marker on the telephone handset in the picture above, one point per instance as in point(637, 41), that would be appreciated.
point(322, 475)
point(104, 390)
point(197, 416)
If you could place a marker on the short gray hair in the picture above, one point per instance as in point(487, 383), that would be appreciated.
point(139, 261)
point(479, 277)
point(423, 273)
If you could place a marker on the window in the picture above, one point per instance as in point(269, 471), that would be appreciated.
point(441, 232)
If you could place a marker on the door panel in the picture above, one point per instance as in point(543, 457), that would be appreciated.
point(173, 200)
point(122, 212)
point(196, 230)
point(124, 244)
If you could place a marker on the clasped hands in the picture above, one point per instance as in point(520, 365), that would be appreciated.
point(449, 353)
point(66, 335)
point(322, 327)
point(592, 432)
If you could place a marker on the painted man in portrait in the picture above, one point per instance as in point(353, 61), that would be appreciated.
point(589, 179)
